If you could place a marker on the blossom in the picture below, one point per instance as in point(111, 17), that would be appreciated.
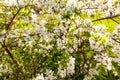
point(71, 2)
point(20, 3)
point(87, 77)
point(90, 75)
point(71, 35)
point(95, 45)
point(69, 70)
point(71, 66)
point(5, 69)
point(39, 77)
point(62, 73)
point(34, 17)
point(9, 2)
point(104, 59)
point(87, 22)
point(107, 14)
point(49, 75)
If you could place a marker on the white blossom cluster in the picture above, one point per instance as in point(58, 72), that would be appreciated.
point(48, 76)
point(20, 3)
point(90, 75)
point(39, 77)
point(4, 69)
point(103, 59)
point(56, 25)
point(115, 40)
point(69, 70)
point(97, 39)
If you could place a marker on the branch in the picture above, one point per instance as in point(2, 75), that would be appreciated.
point(109, 17)
point(115, 21)
point(13, 58)
point(115, 40)
point(9, 53)
point(9, 24)
point(81, 68)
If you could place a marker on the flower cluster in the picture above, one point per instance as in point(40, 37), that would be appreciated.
point(90, 75)
point(59, 39)
point(48, 76)
point(4, 69)
point(103, 59)
point(69, 70)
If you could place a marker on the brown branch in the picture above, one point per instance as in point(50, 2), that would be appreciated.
point(115, 21)
point(109, 17)
point(10, 23)
point(82, 52)
point(115, 40)
point(13, 58)
point(9, 53)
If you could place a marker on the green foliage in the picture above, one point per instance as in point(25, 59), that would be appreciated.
point(60, 38)
point(117, 68)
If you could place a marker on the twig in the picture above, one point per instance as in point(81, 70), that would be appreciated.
point(9, 53)
point(5, 46)
point(115, 21)
point(109, 17)
point(9, 24)
point(115, 40)
point(84, 60)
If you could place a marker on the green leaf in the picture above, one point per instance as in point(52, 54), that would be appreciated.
point(109, 23)
point(49, 26)
point(111, 75)
point(67, 15)
point(117, 68)
point(111, 54)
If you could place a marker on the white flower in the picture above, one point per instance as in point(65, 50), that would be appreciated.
point(103, 59)
point(20, 3)
point(71, 66)
point(72, 60)
point(49, 75)
point(109, 66)
point(95, 45)
point(87, 22)
point(40, 77)
point(61, 72)
point(71, 3)
point(7, 3)
point(110, 3)
point(5, 69)
point(70, 50)
point(107, 14)
point(42, 22)
point(87, 77)
point(100, 28)
point(59, 43)
point(34, 17)
point(69, 70)
point(90, 75)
